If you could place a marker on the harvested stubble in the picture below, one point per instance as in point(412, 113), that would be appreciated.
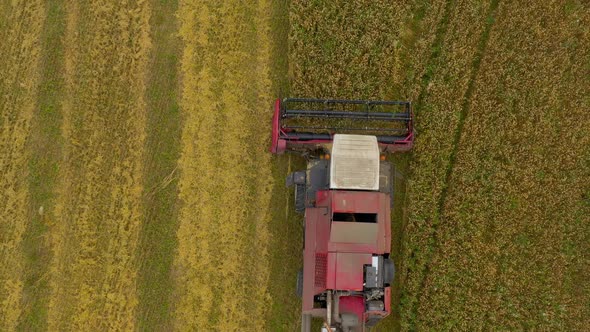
point(221, 266)
point(20, 28)
point(514, 235)
point(93, 269)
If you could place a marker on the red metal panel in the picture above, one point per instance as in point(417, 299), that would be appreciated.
point(355, 201)
point(401, 146)
point(342, 262)
point(311, 221)
point(349, 270)
point(352, 304)
point(322, 198)
point(321, 267)
point(322, 230)
point(352, 247)
point(331, 276)
point(363, 202)
point(384, 220)
point(278, 145)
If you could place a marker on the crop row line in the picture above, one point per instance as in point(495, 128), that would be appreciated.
point(427, 75)
point(157, 238)
point(45, 143)
point(425, 78)
point(437, 44)
point(20, 28)
point(433, 245)
point(93, 271)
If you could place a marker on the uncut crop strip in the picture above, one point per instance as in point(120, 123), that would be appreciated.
point(285, 231)
point(221, 266)
point(445, 87)
point(345, 49)
point(20, 29)
point(420, 41)
point(412, 61)
point(94, 269)
point(514, 238)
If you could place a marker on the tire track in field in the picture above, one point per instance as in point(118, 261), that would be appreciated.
point(94, 269)
point(466, 101)
point(160, 220)
point(20, 31)
point(437, 44)
point(44, 147)
point(225, 179)
point(433, 243)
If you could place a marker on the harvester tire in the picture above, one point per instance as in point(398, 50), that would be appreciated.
point(300, 283)
point(300, 198)
point(388, 271)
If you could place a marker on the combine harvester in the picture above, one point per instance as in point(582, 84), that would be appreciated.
point(346, 195)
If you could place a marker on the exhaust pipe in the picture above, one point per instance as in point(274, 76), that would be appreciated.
point(329, 308)
point(305, 322)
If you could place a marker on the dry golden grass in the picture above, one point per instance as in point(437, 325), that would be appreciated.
point(224, 187)
point(94, 267)
point(19, 60)
point(497, 234)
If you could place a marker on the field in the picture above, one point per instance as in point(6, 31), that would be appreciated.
point(138, 192)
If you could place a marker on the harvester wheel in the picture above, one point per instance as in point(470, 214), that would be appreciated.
point(300, 283)
point(388, 271)
point(300, 198)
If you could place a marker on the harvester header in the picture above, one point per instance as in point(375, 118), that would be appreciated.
point(303, 124)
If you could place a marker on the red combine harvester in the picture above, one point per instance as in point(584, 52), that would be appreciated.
point(346, 194)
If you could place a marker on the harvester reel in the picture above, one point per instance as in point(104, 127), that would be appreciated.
point(308, 125)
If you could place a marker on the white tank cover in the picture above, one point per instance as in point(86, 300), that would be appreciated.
point(354, 162)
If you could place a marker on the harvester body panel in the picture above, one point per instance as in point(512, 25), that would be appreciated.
point(337, 247)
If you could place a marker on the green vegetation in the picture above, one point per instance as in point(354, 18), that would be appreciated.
point(158, 230)
point(286, 238)
point(45, 144)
